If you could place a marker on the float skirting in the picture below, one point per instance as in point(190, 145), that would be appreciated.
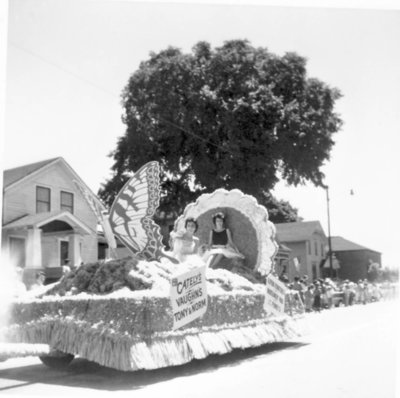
point(124, 352)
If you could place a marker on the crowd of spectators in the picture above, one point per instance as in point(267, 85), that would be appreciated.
point(326, 293)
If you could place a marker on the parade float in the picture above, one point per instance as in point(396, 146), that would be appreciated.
point(148, 311)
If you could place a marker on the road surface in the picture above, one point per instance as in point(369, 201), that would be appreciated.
point(348, 353)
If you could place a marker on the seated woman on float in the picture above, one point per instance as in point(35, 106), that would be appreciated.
point(184, 243)
point(220, 242)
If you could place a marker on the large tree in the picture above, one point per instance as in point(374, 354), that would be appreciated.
point(233, 117)
point(279, 211)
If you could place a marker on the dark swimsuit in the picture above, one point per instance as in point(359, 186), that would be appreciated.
point(219, 238)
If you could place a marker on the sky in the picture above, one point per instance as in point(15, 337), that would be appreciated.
point(66, 63)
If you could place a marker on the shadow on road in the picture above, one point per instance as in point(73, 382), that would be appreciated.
point(85, 374)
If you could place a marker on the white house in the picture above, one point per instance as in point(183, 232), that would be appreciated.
point(307, 243)
point(46, 222)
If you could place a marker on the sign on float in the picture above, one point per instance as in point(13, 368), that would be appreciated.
point(188, 294)
point(275, 296)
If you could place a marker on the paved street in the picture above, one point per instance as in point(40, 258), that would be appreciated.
point(349, 352)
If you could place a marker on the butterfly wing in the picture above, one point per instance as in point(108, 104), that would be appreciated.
point(97, 209)
point(90, 199)
point(131, 212)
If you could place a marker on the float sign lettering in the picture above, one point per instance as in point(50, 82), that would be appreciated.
point(275, 296)
point(188, 294)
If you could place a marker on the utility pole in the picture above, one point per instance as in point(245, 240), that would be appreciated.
point(329, 231)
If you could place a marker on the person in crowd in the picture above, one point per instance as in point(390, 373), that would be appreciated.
point(352, 298)
point(185, 243)
point(362, 292)
point(359, 292)
point(317, 296)
point(39, 280)
point(367, 294)
point(65, 269)
point(322, 287)
point(220, 242)
point(298, 287)
point(304, 282)
point(329, 295)
point(346, 294)
point(284, 278)
point(376, 293)
point(309, 298)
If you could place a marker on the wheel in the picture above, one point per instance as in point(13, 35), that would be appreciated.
point(57, 359)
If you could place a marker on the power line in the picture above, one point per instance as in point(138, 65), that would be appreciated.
point(76, 76)
point(55, 65)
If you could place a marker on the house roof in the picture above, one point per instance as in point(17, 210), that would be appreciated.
point(297, 231)
point(340, 244)
point(15, 176)
point(41, 219)
point(11, 176)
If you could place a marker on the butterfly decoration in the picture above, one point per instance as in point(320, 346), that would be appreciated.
point(132, 211)
point(101, 215)
point(130, 217)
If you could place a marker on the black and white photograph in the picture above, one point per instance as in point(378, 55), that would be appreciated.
point(199, 199)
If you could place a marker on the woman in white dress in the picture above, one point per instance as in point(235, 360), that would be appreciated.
point(184, 243)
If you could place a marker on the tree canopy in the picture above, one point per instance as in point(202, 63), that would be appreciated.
point(279, 211)
point(231, 117)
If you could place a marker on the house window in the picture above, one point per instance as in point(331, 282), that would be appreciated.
point(67, 201)
point(316, 247)
point(309, 247)
point(322, 250)
point(42, 199)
